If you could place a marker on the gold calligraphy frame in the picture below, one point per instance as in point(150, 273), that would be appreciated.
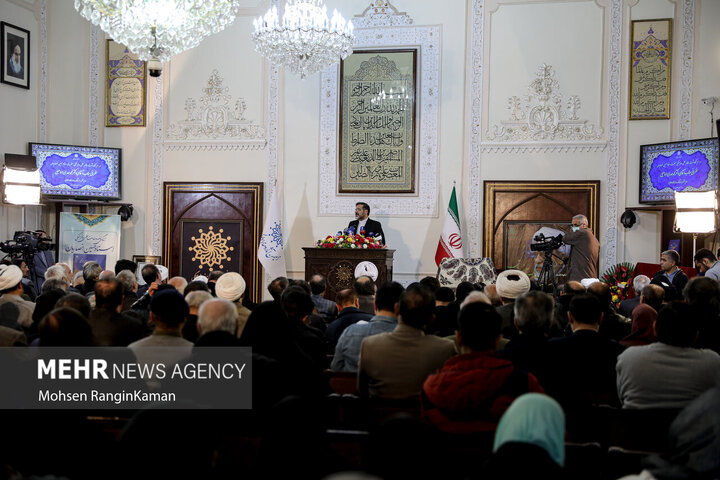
point(661, 45)
point(133, 63)
point(408, 162)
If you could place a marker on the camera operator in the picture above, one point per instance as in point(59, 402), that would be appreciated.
point(585, 250)
point(43, 260)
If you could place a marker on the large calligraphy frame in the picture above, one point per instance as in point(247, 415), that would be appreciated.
point(650, 72)
point(125, 84)
point(377, 122)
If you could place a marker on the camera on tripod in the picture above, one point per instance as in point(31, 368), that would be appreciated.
point(26, 244)
point(546, 244)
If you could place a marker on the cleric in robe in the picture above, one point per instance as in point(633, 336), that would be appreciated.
point(363, 224)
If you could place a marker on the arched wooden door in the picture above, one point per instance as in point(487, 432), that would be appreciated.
point(214, 226)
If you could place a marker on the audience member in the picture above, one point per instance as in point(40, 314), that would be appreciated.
point(64, 327)
point(106, 275)
point(395, 365)
point(474, 297)
point(627, 305)
point(703, 294)
point(76, 301)
point(348, 303)
point(462, 291)
point(561, 325)
point(364, 286)
point(327, 309)
point(196, 286)
point(529, 441)
point(11, 335)
point(58, 272)
point(707, 264)
point(109, 326)
point(585, 361)
point(509, 285)
point(29, 288)
point(347, 350)
point(653, 295)
point(54, 284)
point(694, 439)
point(491, 292)
point(277, 286)
point(472, 390)
point(168, 310)
point(297, 305)
point(91, 273)
point(533, 318)
point(179, 283)
point(44, 304)
point(613, 326)
point(194, 299)
point(153, 279)
point(217, 315)
point(445, 322)
point(212, 280)
point(125, 264)
point(433, 284)
point(11, 291)
point(670, 277)
point(129, 286)
point(231, 287)
point(643, 326)
point(668, 373)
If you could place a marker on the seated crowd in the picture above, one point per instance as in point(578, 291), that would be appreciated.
point(504, 358)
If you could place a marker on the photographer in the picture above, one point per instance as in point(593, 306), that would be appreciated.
point(585, 250)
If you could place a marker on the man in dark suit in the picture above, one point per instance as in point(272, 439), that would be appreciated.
point(363, 224)
point(671, 278)
point(585, 361)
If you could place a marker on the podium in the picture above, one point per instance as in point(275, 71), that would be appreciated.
point(338, 265)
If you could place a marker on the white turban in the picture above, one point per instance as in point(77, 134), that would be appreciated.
point(10, 276)
point(512, 284)
point(230, 286)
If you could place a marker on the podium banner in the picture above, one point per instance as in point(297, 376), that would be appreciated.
point(84, 238)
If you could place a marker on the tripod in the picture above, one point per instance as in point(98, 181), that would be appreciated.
point(546, 278)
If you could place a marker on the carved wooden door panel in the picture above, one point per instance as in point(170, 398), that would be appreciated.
point(513, 211)
point(214, 226)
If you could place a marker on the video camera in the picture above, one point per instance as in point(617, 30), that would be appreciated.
point(546, 244)
point(26, 244)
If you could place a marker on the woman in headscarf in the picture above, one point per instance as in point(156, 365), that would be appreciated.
point(529, 441)
point(642, 331)
point(694, 444)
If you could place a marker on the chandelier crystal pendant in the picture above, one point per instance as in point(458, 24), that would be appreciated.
point(159, 29)
point(305, 41)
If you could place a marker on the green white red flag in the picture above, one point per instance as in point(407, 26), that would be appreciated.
point(450, 244)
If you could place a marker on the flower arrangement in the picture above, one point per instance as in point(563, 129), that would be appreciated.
point(618, 278)
point(349, 240)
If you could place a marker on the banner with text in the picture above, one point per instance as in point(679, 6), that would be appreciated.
point(84, 238)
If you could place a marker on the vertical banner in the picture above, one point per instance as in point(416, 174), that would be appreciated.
point(84, 238)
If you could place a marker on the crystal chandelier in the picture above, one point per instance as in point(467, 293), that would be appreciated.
point(159, 29)
point(305, 41)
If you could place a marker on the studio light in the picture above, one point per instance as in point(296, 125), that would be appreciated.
point(695, 212)
point(21, 180)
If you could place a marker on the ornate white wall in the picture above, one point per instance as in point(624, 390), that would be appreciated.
point(489, 52)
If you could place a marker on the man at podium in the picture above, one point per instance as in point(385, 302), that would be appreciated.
point(364, 225)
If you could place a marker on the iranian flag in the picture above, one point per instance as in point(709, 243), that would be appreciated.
point(450, 244)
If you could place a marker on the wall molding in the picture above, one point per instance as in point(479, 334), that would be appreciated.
point(544, 147)
point(42, 133)
point(214, 122)
point(424, 202)
point(94, 90)
point(687, 36)
point(613, 152)
point(156, 198)
point(544, 115)
point(474, 214)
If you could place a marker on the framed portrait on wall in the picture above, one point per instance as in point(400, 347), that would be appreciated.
point(15, 53)
point(377, 122)
point(650, 53)
point(125, 85)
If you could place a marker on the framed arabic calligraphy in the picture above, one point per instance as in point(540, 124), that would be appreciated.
point(650, 49)
point(377, 122)
point(125, 83)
